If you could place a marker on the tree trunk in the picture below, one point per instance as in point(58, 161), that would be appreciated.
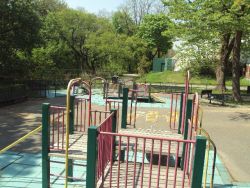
point(158, 53)
point(226, 48)
point(220, 71)
point(236, 67)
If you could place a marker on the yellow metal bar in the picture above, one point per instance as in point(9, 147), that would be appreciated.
point(21, 139)
point(210, 142)
point(70, 84)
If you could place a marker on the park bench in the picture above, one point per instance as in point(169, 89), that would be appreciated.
point(207, 92)
point(217, 97)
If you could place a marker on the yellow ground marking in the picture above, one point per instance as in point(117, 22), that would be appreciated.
point(152, 116)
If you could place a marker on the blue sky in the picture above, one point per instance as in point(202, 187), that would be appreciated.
point(95, 5)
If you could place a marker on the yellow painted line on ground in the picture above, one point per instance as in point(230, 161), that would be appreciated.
point(152, 116)
point(21, 139)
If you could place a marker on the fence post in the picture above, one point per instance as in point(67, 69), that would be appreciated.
point(71, 114)
point(198, 165)
point(124, 108)
point(71, 131)
point(104, 89)
point(149, 92)
point(119, 90)
point(185, 135)
point(133, 93)
point(180, 114)
point(114, 129)
point(91, 157)
point(45, 145)
point(107, 90)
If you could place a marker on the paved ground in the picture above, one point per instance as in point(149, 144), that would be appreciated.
point(229, 127)
point(18, 119)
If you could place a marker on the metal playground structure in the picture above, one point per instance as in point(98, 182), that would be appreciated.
point(107, 148)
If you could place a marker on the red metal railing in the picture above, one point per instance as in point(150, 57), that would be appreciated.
point(98, 116)
point(143, 161)
point(113, 104)
point(195, 111)
point(103, 144)
point(174, 101)
point(57, 127)
point(185, 98)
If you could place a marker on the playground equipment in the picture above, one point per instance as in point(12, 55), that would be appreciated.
point(128, 159)
point(152, 158)
point(82, 135)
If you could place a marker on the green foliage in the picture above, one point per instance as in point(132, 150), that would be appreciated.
point(44, 7)
point(44, 39)
point(152, 32)
point(123, 23)
point(19, 25)
point(200, 58)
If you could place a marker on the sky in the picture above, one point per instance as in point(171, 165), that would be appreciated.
point(94, 6)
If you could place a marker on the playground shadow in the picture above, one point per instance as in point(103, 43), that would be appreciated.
point(19, 119)
point(240, 116)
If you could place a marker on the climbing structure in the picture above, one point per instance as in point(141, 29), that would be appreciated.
point(106, 144)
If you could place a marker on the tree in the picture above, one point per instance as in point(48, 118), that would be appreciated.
point(19, 27)
point(200, 58)
point(44, 7)
point(152, 31)
point(138, 9)
point(123, 23)
point(240, 12)
point(225, 19)
point(74, 28)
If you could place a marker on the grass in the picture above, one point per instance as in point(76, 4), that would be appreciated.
point(179, 77)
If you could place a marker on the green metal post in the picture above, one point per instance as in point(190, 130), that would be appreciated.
point(72, 115)
point(188, 116)
point(91, 157)
point(198, 165)
point(114, 120)
point(71, 131)
point(45, 146)
point(180, 114)
point(107, 90)
point(124, 108)
point(114, 129)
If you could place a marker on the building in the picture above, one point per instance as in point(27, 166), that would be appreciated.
point(163, 64)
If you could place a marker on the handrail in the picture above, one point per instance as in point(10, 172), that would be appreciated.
point(21, 139)
point(210, 142)
point(105, 120)
point(97, 78)
point(70, 84)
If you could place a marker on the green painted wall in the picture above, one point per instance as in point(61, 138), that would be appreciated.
point(158, 64)
point(162, 64)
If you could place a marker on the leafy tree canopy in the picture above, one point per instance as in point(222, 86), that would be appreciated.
point(152, 31)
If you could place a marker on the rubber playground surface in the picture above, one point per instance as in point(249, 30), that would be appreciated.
point(21, 167)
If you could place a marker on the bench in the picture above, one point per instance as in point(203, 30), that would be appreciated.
point(207, 92)
point(217, 97)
